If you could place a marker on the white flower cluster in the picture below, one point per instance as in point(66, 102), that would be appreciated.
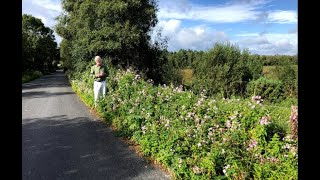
point(143, 128)
point(180, 162)
point(210, 133)
point(150, 81)
point(257, 99)
point(225, 169)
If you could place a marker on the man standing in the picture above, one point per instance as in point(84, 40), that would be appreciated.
point(99, 73)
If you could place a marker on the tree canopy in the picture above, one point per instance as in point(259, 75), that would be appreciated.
point(39, 49)
point(119, 29)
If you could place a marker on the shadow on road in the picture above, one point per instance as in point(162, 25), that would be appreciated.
point(56, 79)
point(43, 94)
point(63, 148)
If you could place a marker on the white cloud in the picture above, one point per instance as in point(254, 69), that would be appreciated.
point(282, 17)
point(198, 37)
point(170, 26)
point(268, 43)
point(47, 4)
point(220, 14)
point(238, 11)
point(202, 37)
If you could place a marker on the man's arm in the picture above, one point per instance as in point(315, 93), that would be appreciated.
point(92, 72)
point(104, 72)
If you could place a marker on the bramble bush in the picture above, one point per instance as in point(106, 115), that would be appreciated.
point(196, 136)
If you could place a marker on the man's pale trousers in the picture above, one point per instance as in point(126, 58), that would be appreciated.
point(99, 87)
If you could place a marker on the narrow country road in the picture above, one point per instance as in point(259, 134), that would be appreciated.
point(62, 140)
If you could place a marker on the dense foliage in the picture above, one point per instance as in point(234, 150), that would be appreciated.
point(195, 136)
point(39, 49)
point(118, 29)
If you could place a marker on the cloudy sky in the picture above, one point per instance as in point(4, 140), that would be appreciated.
point(262, 26)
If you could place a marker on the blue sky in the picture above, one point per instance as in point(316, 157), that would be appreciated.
point(262, 26)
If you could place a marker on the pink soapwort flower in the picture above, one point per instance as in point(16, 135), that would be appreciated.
point(264, 120)
point(273, 159)
point(253, 143)
point(294, 122)
point(199, 102)
point(228, 124)
point(196, 170)
point(257, 99)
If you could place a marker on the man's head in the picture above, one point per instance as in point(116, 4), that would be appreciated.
point(98, 60)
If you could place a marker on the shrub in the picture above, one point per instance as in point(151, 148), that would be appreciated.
point(288, 75)
point(226, 70)
point(269, 89)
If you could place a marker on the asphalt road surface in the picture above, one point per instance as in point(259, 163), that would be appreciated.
point(62, 140)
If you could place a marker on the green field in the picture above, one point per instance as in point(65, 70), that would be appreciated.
point(187, 73)
point(187, 76)
point(268, 71)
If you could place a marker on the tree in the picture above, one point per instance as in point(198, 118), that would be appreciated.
point(118, 29)
point(223, 69)
point(38, 45)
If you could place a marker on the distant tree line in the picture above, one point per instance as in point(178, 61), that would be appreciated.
point(226, 70)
